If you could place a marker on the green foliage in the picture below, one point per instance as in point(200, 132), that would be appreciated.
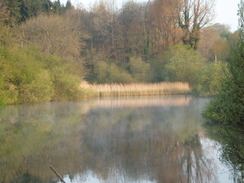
point(136, 70)
point(228, 108)
point(6, 36)
point(28, 76)
point(139, 70)
point(157, 70)
point(182, 63)
point(66, 85)
point(2, 93)
point(38, 90)
point(210, 78)
point(8, 91)
point(110, 73)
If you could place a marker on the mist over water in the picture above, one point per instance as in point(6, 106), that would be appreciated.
point(140, 139)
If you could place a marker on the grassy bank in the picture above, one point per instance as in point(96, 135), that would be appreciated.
point(139, 89)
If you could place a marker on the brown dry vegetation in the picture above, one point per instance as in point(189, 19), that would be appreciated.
point(139, 89)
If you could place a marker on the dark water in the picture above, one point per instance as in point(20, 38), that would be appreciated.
point(135, 140)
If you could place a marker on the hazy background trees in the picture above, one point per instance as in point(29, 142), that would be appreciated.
point(216, 42)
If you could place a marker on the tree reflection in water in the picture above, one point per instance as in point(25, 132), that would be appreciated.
point(156, 143)
point(162, 144)
point(232, 147)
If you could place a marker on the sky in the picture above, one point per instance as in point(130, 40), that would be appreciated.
point(225, 10)
point(226, 13)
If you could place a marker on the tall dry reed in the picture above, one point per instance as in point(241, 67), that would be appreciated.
point(138, 89)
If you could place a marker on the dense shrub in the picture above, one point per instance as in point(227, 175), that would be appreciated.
point(110, 73)
point(182, 63)
point(66, 85)
point(136, 70)
point(210, 77)
point(139, 70)
point(157, 70)
point(38, 90)
point(29, 76)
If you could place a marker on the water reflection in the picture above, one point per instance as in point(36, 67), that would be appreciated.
point(232, 147)
point(148, 140)
point(139, 102)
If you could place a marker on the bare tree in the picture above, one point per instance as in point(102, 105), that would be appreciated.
point(215, 42)
point(207, 39)
point(193, 16)
point(60, 35)
point(164, 19)
point(131, 23)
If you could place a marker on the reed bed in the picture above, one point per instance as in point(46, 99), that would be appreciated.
point(139, 89)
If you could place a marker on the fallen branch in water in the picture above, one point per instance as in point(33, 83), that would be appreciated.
point(62, 180)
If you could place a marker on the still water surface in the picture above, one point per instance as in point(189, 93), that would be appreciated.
point(129, 140)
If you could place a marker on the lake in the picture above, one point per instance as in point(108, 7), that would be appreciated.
point(110, 140)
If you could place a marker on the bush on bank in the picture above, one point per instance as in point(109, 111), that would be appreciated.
point(29, 76)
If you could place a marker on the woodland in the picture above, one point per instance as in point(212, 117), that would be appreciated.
point(47, 48)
